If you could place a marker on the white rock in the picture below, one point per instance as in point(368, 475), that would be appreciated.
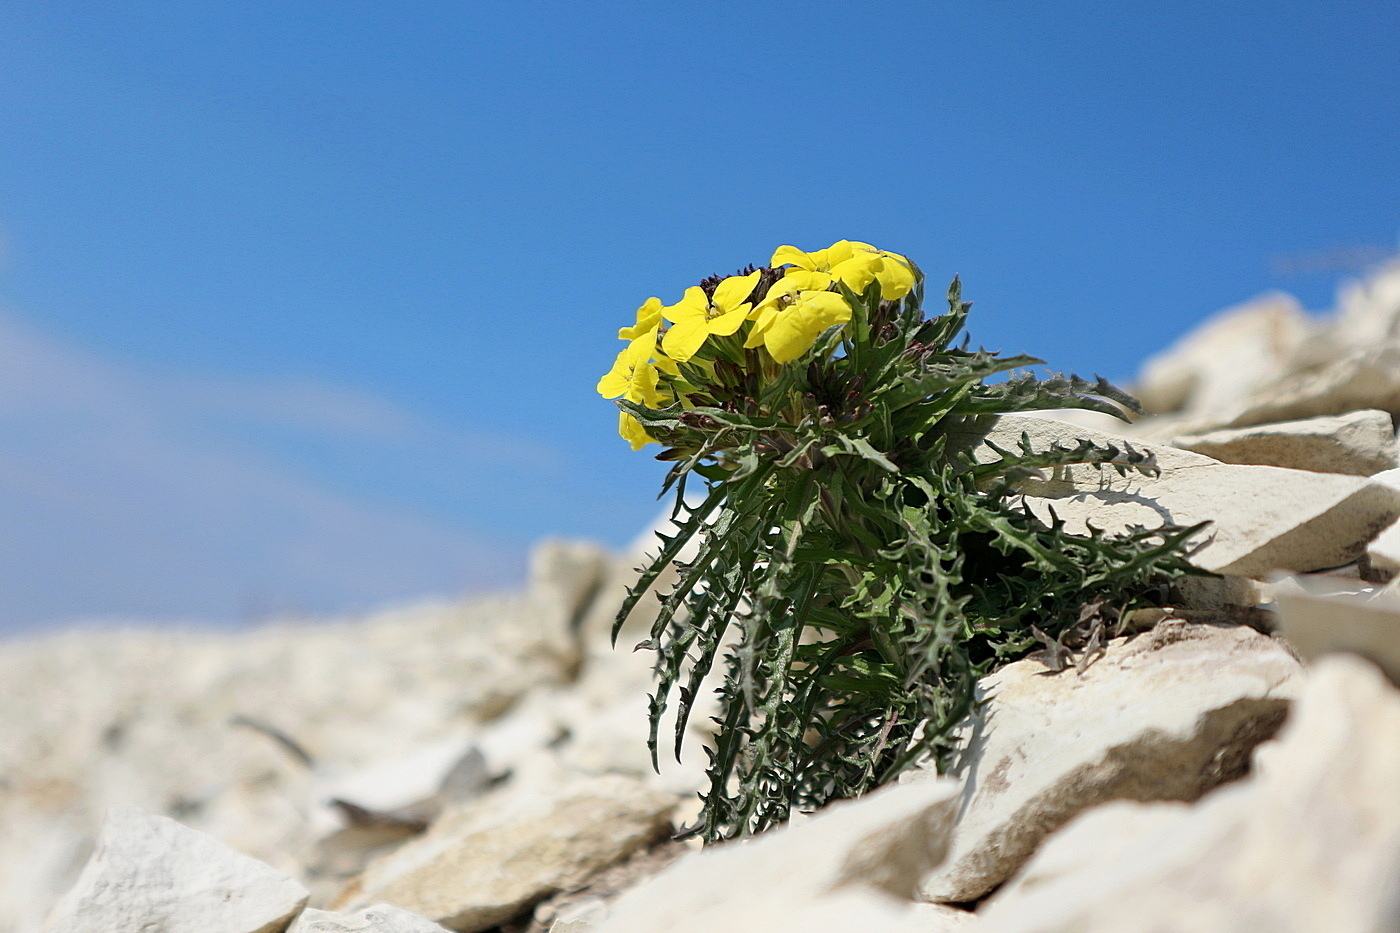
point(381, 918)
point(1368, 310)
point(403, 781)
point(1318, 622)
point(151, 873)
point(1264, 518)
point(95, 719)
point(1383, 553)
point(486, 860)
point(851, 866)
point(564, 580)
point(1226, 359)
point(937, 918)
point(1099, 836)
point(1359, 442)
point(580, 918)
point(1310, 842)
point(1366, 378)
point(1166, 715)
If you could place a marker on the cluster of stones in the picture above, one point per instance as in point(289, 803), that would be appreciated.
point(1230, 764)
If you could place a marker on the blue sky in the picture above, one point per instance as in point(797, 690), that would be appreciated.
point(302, 304)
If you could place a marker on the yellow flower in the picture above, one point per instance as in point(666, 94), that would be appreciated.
point(695, 317)
point(835, 259)
point(798, 308)
point(634, 375)
point(853, 263)
point(895, 275)
point(648, 319)
point(632, 431)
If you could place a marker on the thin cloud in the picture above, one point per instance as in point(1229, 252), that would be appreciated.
point(133, 494)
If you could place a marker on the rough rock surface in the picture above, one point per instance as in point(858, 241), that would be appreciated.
point(487, 860)
point(1367, 378)
point(1359, 442)
point(1383, 553)
point(151, 873)
point(380, 918)
point(1310, 842)
point(852, 866)
point(244, 735)
point(1319, 618)
point(1166, 715)
point(1263, 518)
point(1236, 352)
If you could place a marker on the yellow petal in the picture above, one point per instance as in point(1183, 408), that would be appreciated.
point(842, 250)
point(648, 318)
point(643, 386)
point(615, 381)
point(896, 276)
point(693, 304)
point(798, 280)
point(632, 431)
point(730, 321)
point(734, 290)
point(614, 384)
point(791, 255)
point(684, 338)
point(762, 316)
point(857, 272)
point(796, 328)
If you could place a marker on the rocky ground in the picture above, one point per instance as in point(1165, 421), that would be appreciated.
point(1231, 764)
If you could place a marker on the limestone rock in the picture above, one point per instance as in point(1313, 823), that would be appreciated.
point(486, 860)
point(1311, 841)
point(381, 918)
point(1368, 310)
point(1383, 553)
point(1226, 359)
point(565, 579)
point(938, 918)
point(1100, 836)
point(1366, 378)
point(151, 873)
point(415, 783)
point(1319, 621)
point(851, 866)
point(1264, 518)
point(1359, 442)
point(1166, 715)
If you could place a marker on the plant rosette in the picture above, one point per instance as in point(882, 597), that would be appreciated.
point(871, 569)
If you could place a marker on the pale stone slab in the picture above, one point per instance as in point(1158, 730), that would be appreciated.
point(151, 873)
point(486, 860)
point(1319, 621)
point(1263, 518)
point(1166, 715)
point(1359, 442)
point(1383, 553)
point(160, 717)
point(851, 866)
point(1311, 841)
point(1226, 359)
point(380, 918)
point(1366, 378)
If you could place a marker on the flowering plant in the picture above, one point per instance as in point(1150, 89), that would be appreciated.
point(853, 568)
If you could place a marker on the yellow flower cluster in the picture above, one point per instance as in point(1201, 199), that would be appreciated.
point(784, 322)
